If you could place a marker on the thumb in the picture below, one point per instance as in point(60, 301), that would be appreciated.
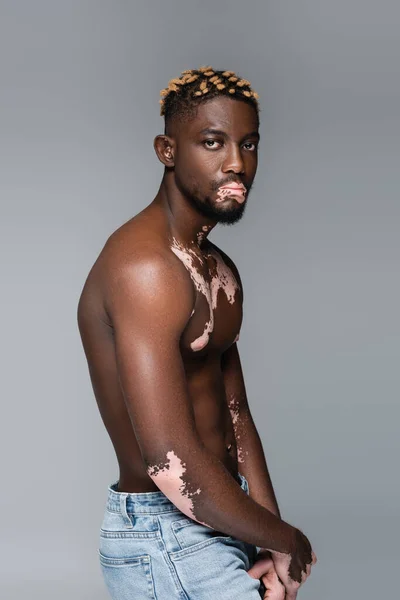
point(275, 590)
point(260, 567)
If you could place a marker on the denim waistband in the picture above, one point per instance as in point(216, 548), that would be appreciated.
point(148, 502)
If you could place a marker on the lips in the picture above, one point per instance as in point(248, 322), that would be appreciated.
point(232, 189)
point(238, 188)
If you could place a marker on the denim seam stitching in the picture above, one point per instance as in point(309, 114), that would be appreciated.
point(144, 513)
point(110, 561)
point(150, 580)
point(109, 533)
point(171, 567)
point(193, 549)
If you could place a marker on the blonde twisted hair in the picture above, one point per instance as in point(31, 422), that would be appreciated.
point(184, 92)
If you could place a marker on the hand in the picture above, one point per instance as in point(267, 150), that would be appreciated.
point(293, 569)
point(264, 569)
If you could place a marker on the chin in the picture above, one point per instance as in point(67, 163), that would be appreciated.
point(227, 212)
point(229, 216)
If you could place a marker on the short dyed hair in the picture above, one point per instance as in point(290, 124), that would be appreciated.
point(195, 86)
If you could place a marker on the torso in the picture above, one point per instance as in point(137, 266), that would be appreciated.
point(213, 327)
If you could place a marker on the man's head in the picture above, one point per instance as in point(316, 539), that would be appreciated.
point(210, 140)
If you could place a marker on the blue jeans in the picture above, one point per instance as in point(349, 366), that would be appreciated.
point(150, 550)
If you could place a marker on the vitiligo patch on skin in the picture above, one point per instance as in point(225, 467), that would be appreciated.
point(221, 278)
point(238, 420)
point(234, 410)
point(202, 341)
point(240, 195)
point(201, 234)
point(167, 475)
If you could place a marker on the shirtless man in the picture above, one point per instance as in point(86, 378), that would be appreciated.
point(159, 316)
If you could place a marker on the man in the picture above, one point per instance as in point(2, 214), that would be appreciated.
point(159, 317)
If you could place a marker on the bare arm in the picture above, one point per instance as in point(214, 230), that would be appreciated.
point(251, 458)
point(293, 570)
point(150, 302)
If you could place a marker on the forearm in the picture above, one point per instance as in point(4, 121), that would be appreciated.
point(251, 457)
point(202, 488)
point(252, 463)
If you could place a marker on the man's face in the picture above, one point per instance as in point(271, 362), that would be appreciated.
point(216, 148)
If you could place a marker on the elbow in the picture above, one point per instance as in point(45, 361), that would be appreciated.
point(169, 476)
point(168, 466)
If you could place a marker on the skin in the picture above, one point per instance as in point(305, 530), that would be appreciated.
point(221, 278)
point(159, 317)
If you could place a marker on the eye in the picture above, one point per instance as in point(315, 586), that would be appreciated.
point(211, 142)
point(251, 144)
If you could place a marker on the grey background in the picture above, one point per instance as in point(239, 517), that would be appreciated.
point(318, 251)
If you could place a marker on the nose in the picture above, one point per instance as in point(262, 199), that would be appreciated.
point(233, 160)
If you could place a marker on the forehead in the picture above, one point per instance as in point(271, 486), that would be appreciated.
point(235, 117)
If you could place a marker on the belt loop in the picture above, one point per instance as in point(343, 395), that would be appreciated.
point(122, 502)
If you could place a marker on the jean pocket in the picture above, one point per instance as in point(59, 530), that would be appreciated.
point(128, 577)
point(192, 535)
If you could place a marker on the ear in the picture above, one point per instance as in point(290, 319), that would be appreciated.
point(165, 147)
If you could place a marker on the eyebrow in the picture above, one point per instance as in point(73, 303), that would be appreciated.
point(220, 132)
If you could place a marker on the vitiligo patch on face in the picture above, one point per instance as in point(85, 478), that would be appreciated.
point(224, 192)
point(221, 278)
point(168, 476)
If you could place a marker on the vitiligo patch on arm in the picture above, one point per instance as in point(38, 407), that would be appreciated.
point(237, 421)
point(168, 475)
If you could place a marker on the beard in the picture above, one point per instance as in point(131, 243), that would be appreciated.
point(227, 212)
point(226, 215)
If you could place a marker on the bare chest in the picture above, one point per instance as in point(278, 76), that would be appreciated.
point(217, 315)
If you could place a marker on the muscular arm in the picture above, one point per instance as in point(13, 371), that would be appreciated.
point(251, 456)
point(150, 301)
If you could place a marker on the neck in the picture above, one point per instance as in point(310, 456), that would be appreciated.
point(187, 225)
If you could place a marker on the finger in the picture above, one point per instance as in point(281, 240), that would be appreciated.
point(305, 574)
point(306, 541)
point(280, 594)
point(292, 589)
point(260, 567)
point(274, 588)
point(274, 594)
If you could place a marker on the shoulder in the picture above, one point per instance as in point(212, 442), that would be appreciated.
point(137, 268)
